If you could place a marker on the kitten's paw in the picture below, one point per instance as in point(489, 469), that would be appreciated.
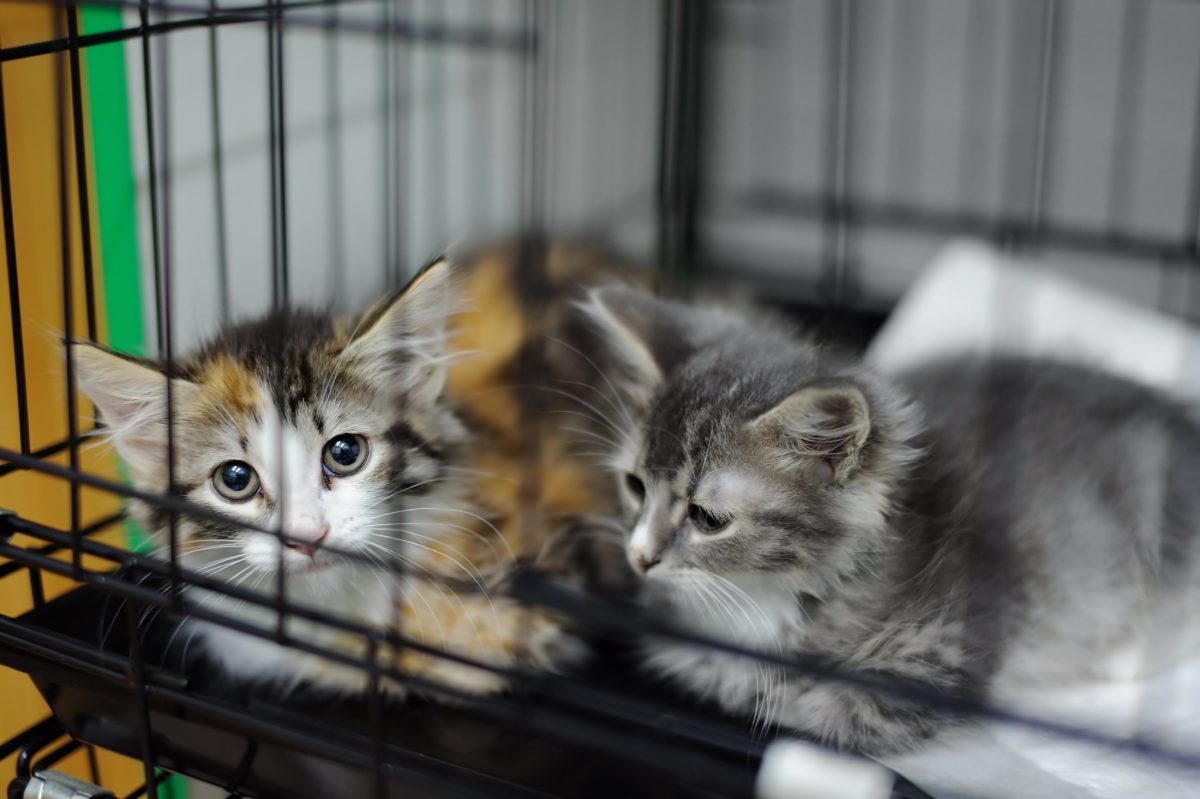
point(464, 679)
point(552, 648)
point(527, 641)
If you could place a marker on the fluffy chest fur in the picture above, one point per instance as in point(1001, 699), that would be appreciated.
point(355, 593)
point(749, 613)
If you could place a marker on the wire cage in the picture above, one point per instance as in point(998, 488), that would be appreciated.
point(166, 167)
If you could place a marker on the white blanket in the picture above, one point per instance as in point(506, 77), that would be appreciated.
point(972, 299)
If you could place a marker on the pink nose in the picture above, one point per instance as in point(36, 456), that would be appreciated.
point(645, 563)
point(308, 547)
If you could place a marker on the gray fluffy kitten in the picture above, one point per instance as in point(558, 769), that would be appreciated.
point(974, 526)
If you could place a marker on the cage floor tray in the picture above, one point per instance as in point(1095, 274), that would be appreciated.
point(249, 741)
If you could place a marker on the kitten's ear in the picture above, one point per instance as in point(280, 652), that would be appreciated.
point(821, 426)
point(404, 340)
point(647, 336)
point(132, 398)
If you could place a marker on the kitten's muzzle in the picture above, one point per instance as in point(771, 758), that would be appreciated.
point(306, 543)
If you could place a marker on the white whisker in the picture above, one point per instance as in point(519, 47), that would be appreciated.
point(475, 533)
point(475, 516)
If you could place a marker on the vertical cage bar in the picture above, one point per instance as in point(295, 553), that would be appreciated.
point(160, 324)
point(476, 83)
point(93, 765)
point(666, 111)
point(697, 65)
point(85, 245)
point(531, 256)
point(278, 142)
point(160, 222)
point(387, 112)
point(1018, 116)
point(333, 153)
point(403, 112)
point(1050, 48)
point(546, 68)
point(375, 719)
point(272, 163)
point(1032, 123)
point(403, 115)
point(277, 157)
point(1127, 112)
point(281, 141)
point(214, 103)
point(36, 588)
point(1192, 218)
point(137, 675)
point(838, 109)
point(68, 297)
point(14, 290)
point(533, 119)
point(684, 28)
point(438, 150)
point(81, 169)
point(1191, 241)
point(691, 130)
point(164, 175)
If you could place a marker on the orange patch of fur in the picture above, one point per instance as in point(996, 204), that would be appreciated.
point(229, 384)
point(529, 483)
point(488, 334)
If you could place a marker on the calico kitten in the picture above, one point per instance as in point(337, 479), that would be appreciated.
point(396, 436)
point(973, 526)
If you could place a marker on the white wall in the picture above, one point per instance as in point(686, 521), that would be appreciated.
point(940, 111)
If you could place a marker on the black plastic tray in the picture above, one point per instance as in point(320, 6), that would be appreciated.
point(258, 744)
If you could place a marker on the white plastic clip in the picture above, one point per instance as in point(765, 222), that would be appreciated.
point(798, 770)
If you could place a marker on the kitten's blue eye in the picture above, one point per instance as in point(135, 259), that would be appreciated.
point(706, 522)
point(235, 480)
point(344, 454)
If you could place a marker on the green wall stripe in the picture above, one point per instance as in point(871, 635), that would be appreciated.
point(116, 190)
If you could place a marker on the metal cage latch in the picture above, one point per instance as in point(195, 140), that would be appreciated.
point(56, 785)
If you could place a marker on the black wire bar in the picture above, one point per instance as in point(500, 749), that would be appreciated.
point(534, 590)
point(685, 28)
point(838, 138)
point(218, 160)
point(902, 217)
point(201, 16)
point(67, 275)
point(14, 289)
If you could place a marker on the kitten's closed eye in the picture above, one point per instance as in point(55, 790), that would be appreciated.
point(344, 455)
point(706, 521)
point(235, 480)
